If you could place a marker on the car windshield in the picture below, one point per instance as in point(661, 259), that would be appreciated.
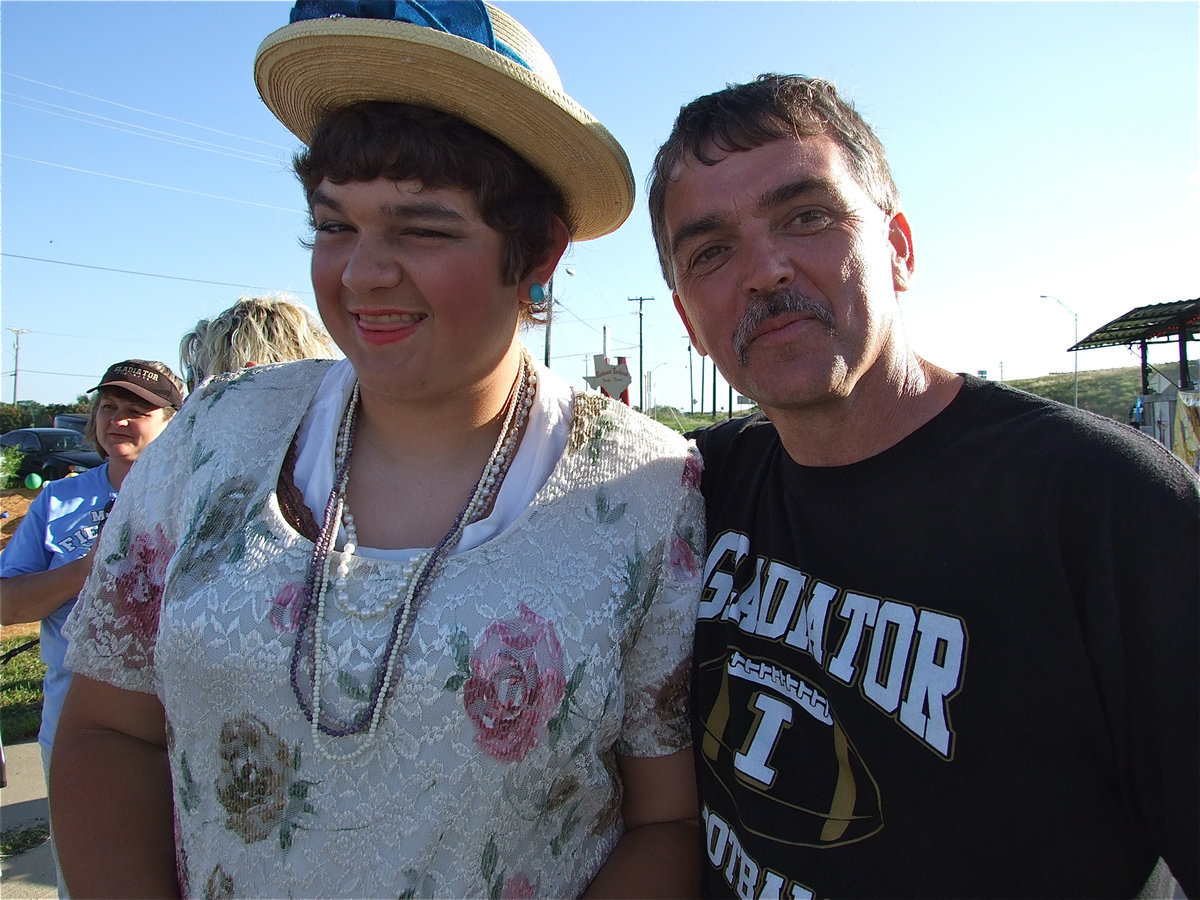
point(56, 443)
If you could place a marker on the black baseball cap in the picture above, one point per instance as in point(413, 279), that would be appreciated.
point(138, 378)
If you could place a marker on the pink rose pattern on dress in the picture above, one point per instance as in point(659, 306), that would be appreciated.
point(683, 560)
point(693, 471)
point(519, 887)
point(140, 583)
point(285, 608)
point(516, 684)
point(685, 552)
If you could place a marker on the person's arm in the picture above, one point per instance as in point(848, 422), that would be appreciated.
point(659, 854)
point(1156, 639)
point(32, 597)
point(110, 794)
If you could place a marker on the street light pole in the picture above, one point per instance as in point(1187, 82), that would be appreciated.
point(1074, 351)
point(650, 390)
point(641, 356)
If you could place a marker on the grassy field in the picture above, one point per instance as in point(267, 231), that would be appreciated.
point(20, 686)
point(20, 718)
point(685, 422)
point(1108, 392)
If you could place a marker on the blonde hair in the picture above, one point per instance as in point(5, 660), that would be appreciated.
point(89, 430)
point(254, 331)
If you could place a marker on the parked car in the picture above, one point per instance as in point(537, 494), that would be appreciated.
point(51, 452)
point(74, 421)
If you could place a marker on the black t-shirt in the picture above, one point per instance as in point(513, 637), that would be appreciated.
point(964, 667)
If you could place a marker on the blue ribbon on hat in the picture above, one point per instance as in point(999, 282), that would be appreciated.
point(463, 18)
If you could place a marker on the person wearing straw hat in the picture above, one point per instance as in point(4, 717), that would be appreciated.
point(424, 627)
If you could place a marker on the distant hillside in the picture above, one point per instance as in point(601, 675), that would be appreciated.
point(1109, 392)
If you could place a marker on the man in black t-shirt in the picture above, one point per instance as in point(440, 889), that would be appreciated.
point(948, 645)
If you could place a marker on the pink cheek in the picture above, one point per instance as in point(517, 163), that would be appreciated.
point(326, 270)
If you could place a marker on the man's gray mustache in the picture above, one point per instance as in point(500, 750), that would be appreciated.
point(768, 305)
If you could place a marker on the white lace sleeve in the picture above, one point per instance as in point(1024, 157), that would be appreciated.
point(113, 628)
point(658, 666)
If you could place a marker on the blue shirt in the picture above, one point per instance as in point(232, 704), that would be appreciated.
point(60, 526)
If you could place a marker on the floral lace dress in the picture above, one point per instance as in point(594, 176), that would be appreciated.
point(536, 657)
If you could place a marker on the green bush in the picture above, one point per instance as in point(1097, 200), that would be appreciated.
point(10, 464)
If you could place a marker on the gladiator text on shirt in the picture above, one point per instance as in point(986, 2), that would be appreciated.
point(906, 660)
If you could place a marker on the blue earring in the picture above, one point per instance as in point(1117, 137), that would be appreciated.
point(537, 293)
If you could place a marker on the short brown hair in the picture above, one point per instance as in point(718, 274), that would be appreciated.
point(376, 139)
point(745, 116)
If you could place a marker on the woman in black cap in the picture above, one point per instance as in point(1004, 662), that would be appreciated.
point(45, 563)
point(416, 622)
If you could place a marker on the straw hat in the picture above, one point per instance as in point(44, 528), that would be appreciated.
point(318, 64)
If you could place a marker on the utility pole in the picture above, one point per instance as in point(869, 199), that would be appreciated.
point(641, 355)
point(17, 332)
point(550, 311)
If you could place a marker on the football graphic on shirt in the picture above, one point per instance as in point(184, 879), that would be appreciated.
point(799, 780)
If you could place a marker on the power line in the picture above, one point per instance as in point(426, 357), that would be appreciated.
point(82, 337)
point(39, 372)
point(165, 187)
point(59, 262)
point(142, 131)
point(577, 318)
point(144, 111)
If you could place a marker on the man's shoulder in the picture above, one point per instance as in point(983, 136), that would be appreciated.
point(1084, 447)
point(754, 427)
point(1023, 412)
point(722, 446)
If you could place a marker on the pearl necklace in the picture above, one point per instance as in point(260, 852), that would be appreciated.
point(419, 575)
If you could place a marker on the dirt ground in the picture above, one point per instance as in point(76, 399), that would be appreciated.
point(13, 503)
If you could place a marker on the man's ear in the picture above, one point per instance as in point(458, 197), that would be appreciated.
point(687, 323)
point(903, 257)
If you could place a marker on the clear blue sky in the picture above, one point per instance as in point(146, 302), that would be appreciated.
point(1039, 148)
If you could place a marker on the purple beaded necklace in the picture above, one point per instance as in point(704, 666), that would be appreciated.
point(304, 665)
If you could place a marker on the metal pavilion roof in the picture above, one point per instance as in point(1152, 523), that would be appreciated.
point(1160, 322)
